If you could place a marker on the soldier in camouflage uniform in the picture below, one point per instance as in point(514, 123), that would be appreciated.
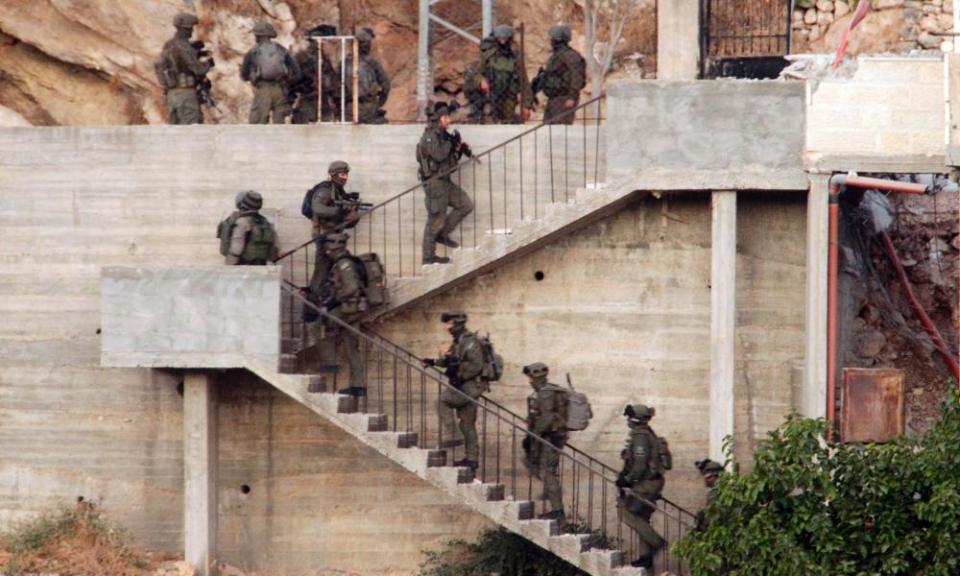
point(305, 92)
point(253, 240)
point(270, 68)
point(344, 300)
point(562, 78)
point(438, 154)
point(373, 84)
point(547, 418)
point(504, 81)
point(463, 364)
point(329, 216)
point(641, 481)
point(179, 70)
point(711, 472)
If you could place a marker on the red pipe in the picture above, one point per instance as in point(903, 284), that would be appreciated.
point(918, 309)
point(832, 276)
point(885, 185)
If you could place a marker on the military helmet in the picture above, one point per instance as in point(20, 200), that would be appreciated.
point(338, 166)
point(708, 466)
point(560, 33)
point(458, 316)
point(638, 412)
point(321, 30)
point(185, 20)
point(503, 31)
point(251, 200)
point(337, 239)
point(444, 108)
point(365, 35)
point(536, 370)
point(238, 200)
point(264, 29)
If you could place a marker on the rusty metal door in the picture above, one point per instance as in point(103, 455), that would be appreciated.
point(871, 408)
point(738, 30)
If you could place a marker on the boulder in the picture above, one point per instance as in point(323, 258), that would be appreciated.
point(879, 32)
point(840, 9)
point(810, 17)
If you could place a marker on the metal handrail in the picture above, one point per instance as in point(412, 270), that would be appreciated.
point(560, 164)
point(580, 468)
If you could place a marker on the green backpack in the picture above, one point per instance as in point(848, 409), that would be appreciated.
point(225, 230)
point(260, 241)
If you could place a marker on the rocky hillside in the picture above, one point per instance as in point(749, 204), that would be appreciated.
point(89, 62)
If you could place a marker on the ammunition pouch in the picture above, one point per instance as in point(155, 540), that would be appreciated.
point(186, 80)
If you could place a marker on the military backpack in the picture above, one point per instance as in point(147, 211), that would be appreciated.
point(306, 206)
point(492, 362)
point(661, 459)
point(373, 278)
point(225, 231)
point(579, 411)
point(270, 61)
point(260, 240)
point(555, 84)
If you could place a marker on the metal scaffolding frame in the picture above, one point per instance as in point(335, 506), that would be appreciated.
point(424, 66)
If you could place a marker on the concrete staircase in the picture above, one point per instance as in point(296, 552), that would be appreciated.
point(558, 219)
point(430, 465)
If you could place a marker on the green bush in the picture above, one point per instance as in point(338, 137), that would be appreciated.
point(812, 506)
point(496, 551)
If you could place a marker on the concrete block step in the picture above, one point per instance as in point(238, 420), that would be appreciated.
point(288, 364)
point(317, 384)
point(407, 440)
point(346, 404)
point(377, 422)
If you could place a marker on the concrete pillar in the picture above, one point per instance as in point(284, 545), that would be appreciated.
point(678, 40)
point(200, 472)
point(723, 318)
point(814, 401)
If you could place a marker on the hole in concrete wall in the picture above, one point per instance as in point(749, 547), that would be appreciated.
point(98, 330)
point(245, 488)
point(538, 275)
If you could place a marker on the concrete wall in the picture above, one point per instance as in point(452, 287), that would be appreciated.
point(624, 307)
point(892, 107)
point(189, 317)
point(714, 126)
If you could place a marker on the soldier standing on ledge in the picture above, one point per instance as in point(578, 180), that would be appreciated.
point(562, 78)
point(504, 81)
point(179, 70)
point(304, 93)
point(645, 458)
point(463, 364)
point(270, 68)
point(547, 418)
point(373, 84)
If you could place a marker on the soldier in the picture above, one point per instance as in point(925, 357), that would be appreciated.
point(504, 81)
point(710, 471)
point(472, 89)
point(373, 84)
point(438, 154)
point(463, 363)
point(305, 92)
point(641, 480)
point(269, 67)
point(547, 418)
point(330, 215)
point(344, 299)
point(562, 78)
point(179, 70)
point(253, 240)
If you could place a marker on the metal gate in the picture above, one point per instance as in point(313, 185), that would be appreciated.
point(743, 38)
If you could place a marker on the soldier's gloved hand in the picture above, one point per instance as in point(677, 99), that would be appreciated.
point(428, 362)
point(622, 482)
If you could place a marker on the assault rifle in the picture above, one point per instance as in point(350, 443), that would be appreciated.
point(204, 85)
point(352, 201)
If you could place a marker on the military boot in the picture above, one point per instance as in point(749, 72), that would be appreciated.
point(447, 241)
point(436, 260)
point(467, 463)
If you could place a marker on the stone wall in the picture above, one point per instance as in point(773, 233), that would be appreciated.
point(890, 25)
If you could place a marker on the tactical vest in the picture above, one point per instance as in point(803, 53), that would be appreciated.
point(428, 166)
point(555, 84)
point(225, 231)
point(502, 74)
point(270, 62)
point(260, 240)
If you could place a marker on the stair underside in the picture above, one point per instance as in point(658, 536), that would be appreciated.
point(507, 513)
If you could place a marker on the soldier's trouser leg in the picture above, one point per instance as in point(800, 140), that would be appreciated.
point(183, 106)
point(435, 198)
point(462, 206)
point(467, 415)
point(637, 515)
point(321, 270)
point(305, 111)
point(446, 405)
point(504, 111)
point(260, 109)
point(350, 344)
point(557, 113)
point(368, 113)
point(550, 466)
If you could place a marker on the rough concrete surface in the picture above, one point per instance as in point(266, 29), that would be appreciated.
point(708, 125)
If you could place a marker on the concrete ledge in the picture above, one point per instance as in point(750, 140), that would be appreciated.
point(203, 317)
point(919, 163)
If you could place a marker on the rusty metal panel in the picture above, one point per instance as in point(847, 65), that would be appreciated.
point(871, 404)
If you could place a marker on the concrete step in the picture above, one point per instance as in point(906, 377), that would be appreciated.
point(432, 466)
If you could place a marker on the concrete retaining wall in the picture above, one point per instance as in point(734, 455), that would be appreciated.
point(210, 317)
point(706, 125)
point(893, 107)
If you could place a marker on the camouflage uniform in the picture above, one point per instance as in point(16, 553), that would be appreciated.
point(328, 218)
point(270, 98)
point(180, 58)
point(642, 481)
point(253, 240)
point(506, 78)
point(346, 303)
point(547, 418)
point(464, 366)
point(373, 84)
point(306, 91)
point(438, 157)
point(563, 78)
